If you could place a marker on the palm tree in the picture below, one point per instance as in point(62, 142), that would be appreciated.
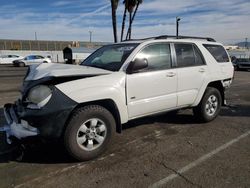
point(132, 4)
point(125, 2)
point(114, 5)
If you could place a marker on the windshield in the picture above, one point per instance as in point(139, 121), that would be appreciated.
point(110, 57)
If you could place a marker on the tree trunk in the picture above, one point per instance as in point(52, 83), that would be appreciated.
point(123, 22)
point(130, 23)
point(114, 20)
point(129, 33)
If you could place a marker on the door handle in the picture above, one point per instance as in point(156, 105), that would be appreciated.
point(202, 70)
point(170, 74)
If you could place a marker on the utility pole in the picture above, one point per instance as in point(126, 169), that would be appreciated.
point(246, 43)
point(35, 36)
point(90, 36)
point(178, 19)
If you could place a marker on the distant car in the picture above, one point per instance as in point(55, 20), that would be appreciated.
point(30, 60)
point(8, 59)
point(241, 63)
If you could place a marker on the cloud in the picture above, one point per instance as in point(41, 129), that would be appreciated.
point(225, 20)
point(62, 3)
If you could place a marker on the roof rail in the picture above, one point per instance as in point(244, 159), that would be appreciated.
point(174, 36)
point(185, 37)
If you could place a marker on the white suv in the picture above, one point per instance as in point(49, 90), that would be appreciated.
point(86, 104)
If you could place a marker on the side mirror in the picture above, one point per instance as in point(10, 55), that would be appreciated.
point(136, 65)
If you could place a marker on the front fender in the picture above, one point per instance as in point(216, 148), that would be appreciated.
point(98, 88)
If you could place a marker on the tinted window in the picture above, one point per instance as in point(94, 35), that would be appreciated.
point(39, 57)
point(29, 57)
point(185, 55)
point(158, 56)
point(198, 57)
point(218, 52)
point(188, 55)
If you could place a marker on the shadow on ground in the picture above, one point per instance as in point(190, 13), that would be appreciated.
point(38, 151)
point(236, 111)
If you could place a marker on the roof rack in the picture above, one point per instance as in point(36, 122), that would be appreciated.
point(174, 36)
point(185, 37)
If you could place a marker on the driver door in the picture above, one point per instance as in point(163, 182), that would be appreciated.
point(154, 88)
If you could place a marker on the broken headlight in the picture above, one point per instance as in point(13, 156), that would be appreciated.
point(39, 96)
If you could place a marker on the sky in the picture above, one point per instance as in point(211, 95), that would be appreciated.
point(228, 21)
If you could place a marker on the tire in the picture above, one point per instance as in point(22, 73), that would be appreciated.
point(210, 105)
point(21, 64)
point(45, 62)
point(84, 143)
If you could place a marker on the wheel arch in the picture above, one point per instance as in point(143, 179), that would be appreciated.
point(109, 104)
point(215, 84)
point(218, 85)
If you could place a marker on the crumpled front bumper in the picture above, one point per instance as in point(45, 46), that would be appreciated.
point(46, 122)
point(16, 127)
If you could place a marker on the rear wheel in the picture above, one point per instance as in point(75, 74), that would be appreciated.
point(210, 105)
point(45, 62)
point(89, 132)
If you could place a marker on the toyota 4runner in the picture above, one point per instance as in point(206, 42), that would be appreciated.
point(86, 104)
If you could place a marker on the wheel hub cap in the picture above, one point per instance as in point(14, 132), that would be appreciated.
point(91, 134)
point(211, 105)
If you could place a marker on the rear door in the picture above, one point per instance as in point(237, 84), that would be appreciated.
point(152, 89)
point(192, 71)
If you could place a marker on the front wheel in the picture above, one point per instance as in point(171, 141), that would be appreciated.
point(89, 132)
point(210, 105)
point(21, 64)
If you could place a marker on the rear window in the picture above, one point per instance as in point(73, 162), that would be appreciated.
point(218, 52)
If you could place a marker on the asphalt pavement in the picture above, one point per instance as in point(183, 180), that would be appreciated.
point(161, 151)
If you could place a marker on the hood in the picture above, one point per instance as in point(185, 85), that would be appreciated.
point(43, 70)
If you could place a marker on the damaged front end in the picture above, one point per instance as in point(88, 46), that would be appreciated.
point(45, 118)
point(15, 127)
point(43, 110)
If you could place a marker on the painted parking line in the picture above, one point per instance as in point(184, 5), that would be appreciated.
point(164, 181)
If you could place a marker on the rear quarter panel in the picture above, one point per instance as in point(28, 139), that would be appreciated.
point(217, 71)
